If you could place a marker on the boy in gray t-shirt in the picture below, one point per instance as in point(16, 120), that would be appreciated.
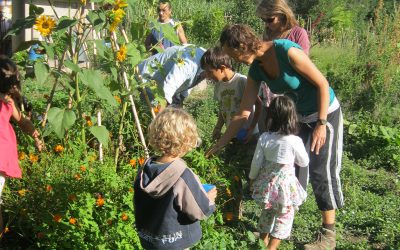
point(228, 91)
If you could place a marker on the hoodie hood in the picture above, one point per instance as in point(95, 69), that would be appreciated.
point(158, 178)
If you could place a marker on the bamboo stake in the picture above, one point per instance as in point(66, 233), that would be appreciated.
point(125, 77)
point(100, 144)
point(146, 96)
point(94, 34)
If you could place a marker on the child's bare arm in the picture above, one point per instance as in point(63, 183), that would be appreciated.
point(216, 134)
point(26, 125)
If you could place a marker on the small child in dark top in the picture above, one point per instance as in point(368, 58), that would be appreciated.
point(169, 198)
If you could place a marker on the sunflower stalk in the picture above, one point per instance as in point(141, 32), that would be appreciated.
point(134, 111)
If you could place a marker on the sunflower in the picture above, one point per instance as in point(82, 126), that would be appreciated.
point(116, 18)
point(45, 25)
point(120, 4)
point(121, 53)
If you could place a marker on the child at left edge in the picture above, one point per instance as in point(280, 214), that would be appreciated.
point(169, 198)
point(9, 87)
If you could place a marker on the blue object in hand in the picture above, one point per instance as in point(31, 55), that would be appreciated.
point(241, 135)
point(208, 187)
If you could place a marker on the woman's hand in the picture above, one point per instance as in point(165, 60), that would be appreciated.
point(318, 138)
point(212, 194)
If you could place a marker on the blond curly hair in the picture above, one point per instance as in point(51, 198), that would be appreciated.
point(173, 132)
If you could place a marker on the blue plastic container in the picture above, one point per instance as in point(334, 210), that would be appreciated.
point(208, 187)
point(241, 135)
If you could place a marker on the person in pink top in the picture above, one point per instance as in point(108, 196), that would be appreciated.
point(10, 86)
point(280, 23)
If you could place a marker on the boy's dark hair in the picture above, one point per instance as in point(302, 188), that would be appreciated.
point(215, 58)
point(282, 116)
point(9, 76)
point(167, 2)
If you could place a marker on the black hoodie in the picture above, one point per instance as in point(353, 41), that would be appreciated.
point(169, 202)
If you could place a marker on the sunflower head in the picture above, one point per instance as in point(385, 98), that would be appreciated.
point(45, 25)
point(121, 53)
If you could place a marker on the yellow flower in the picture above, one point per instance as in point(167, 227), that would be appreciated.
point(180, 62)
point(83, 2)
point(116, 18)
point(120, 4)
point(21, 156)
point(228, 192)
point(22, 192)
point(121, 53)
point(89, 123)
point(33, 158)
point(57, 218)
point(58, 148)
point(72, 221)
point(45, 25)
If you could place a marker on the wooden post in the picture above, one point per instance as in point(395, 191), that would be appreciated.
point(135, 114)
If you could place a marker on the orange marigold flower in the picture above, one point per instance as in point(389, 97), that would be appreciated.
point(72, 221)
point(236, 178)
point(100, 201)
point(77, 177)
point(117, 98)
point(49, 188)
point(22, 192)
point(83, 168)
point(131, 190)
point(89, 123)
point(132, 162)
point(72, 197)
point(21, 156)
point(58, 148)
point(141, 160)
point(33, 158)
point(6, 230)
point(229, 216)
point(156, 109)
point(124, 217)
point(57, 218)
point(40, 235)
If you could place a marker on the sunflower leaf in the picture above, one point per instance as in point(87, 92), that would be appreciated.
point(65, 23)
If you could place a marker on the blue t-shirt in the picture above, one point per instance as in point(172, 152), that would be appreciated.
point(289, 82)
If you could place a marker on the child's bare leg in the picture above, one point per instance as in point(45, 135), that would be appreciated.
point(274, 243)
point(264, 237)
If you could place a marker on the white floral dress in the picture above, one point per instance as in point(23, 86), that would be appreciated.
point(272, 169)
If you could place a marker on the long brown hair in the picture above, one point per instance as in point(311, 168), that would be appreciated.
point(280, 8)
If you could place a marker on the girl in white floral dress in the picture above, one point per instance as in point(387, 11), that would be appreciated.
point(272, 174)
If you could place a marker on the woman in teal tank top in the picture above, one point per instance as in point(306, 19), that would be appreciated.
point(288, 70)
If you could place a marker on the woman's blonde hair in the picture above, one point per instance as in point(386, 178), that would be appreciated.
point(173, 132)
point(280, 8)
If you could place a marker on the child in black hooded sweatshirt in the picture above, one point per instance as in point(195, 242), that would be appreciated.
point(169, 198)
